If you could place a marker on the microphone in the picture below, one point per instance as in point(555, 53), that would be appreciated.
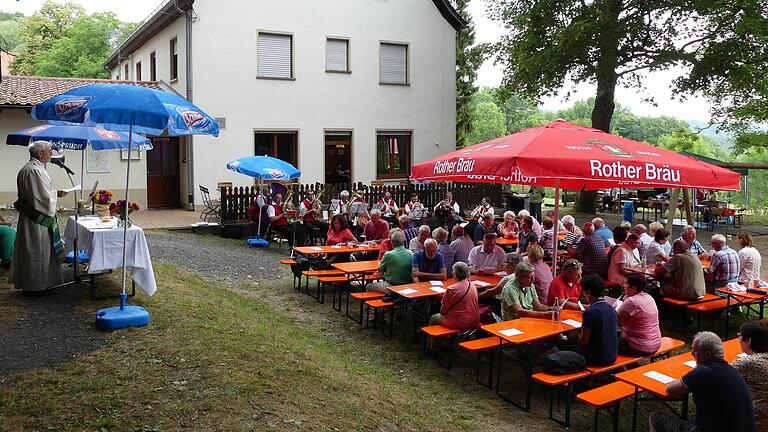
point(58, 160)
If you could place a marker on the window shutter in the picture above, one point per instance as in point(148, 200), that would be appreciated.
point(274, 55)
point(393, 63)
point(336, 55)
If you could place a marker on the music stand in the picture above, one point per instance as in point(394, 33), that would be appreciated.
point(419, 213)
point(358, 208)
point(334, 206)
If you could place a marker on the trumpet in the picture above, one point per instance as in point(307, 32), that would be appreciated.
point(477, 212)
point(357, 195)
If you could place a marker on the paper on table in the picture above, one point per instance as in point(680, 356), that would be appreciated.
point(510, 332)
point(581, 306)
point(690, 363)
point(502, 273)
point(73, 188)
point(436, 283)
point(336, 247)
point(741, 355)
point(315, 248)
point(437, 289)
point(660, 377)
point(407, 291)
point(480, 283)
point(572, 323)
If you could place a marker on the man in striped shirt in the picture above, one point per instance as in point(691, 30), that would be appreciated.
point(725, 265)
point(689, 235)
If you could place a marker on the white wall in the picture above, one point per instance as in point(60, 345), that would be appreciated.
point(12, 158)
point(225, 84)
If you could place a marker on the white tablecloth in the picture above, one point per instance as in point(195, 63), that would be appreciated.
point(104, 244)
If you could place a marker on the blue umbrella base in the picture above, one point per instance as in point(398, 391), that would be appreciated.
point(257, 242)
point(113, 318)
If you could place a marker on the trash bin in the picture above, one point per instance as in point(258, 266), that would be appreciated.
point(629, 211)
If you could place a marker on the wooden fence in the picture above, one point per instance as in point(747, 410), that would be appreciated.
point(235, 201)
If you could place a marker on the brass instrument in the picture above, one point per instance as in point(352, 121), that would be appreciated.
point(477, 212)
point(443, 209)
point(317, 204)
point(289, 209)
point(356, 195)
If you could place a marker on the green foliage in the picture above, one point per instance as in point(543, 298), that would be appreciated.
point(488, 121)
point(520, 112)
point(39, 31)
point(469, 57)
point(8, 16)
point(694, 143)
point(61, 40)
point(82, 49)
point(9, 35)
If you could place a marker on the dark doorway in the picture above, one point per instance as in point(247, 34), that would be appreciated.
point(338, 157)
point(163, 173)
point(280, 145)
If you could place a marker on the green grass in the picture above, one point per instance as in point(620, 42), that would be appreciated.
point(214, 359)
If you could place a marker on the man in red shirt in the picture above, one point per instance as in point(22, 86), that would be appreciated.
point(566, 286)
point(376, 230)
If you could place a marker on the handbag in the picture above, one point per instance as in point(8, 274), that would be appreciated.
point(564, 362)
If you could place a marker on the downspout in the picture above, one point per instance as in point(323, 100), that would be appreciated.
point(190, 153)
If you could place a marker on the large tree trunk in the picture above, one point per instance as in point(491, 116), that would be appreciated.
point(606, 77)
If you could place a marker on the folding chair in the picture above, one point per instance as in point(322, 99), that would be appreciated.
point(212, 207)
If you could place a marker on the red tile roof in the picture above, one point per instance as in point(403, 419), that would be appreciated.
point(30, 90)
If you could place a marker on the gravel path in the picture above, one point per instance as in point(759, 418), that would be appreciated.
point(215, 257)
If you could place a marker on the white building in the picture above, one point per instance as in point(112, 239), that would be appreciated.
point(17, 97)
point(346, 90)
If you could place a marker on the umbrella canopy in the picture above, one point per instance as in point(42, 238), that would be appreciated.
point(576, 157)
point(121, 106)
point(78, 138)
point(264, 168)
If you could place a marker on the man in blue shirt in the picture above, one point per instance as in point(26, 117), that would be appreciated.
point(429, 264)
point(723, 401)
point(603, 232)
point(598, 341)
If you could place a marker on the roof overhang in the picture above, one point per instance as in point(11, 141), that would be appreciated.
point(162, 16)
point(450, 14)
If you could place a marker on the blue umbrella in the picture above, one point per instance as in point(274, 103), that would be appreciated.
point(127, 107)
point(135, 109)
point(264, 168)
point(77, 138)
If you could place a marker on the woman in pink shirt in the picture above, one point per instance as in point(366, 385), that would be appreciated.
point(338, 231)
point(639, 319)
point(542, 273)
point(459, 309)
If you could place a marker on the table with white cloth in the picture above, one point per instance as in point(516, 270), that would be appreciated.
point(103, 242)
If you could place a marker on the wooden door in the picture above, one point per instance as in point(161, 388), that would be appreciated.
point(163, 173)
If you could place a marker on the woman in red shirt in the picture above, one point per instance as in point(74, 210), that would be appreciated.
point(459, 308)
point(338, 232)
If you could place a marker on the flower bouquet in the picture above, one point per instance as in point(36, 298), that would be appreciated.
point(118, 209)
point(102, 199)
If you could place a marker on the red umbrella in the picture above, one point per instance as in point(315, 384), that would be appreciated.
point(579, 157)
point(562, 154)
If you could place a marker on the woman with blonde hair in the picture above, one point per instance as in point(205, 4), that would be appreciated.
point(750, 259)
point(509, 228)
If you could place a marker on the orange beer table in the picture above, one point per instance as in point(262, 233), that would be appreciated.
point(522, 333)
point(653, 377)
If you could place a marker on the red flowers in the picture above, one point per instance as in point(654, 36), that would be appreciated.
point(119, 207)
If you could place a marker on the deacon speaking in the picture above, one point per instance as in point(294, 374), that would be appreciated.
point(39, 250)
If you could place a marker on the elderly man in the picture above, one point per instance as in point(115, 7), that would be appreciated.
point(410, 231)
point(39, 250)
point(417, 243)
point(395, 265)
point(603, 232)
point(376, 229)
point(566, 287)
point(686, 278)
point(723, 401)
point(591, 250)
point(429, 264)
point(689, 235)
point(486, 258)
point(486, 226)
point(519, 298)
point(625, 256)
point(725, 265)
point(645, 240)
point(460, 244)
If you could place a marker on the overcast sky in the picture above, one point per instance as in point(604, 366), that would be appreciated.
point(658, 84)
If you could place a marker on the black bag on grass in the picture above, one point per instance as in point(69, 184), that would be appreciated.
point(564, 362)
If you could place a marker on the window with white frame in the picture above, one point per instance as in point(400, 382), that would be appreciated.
point(393, 63)
point(275, 55)
point(337, 55)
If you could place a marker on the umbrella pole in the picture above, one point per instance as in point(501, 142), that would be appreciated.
point(555, 225)
point(125, 214)
point(260, 187)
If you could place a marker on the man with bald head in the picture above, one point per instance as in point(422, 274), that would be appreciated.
point(591, 250)
point(39, 249)
point(429, 264)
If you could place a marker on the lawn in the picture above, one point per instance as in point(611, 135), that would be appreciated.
point(216, 359)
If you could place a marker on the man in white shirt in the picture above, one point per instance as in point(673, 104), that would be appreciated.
point(486, 258)
point(645, 239)
point(625, 256)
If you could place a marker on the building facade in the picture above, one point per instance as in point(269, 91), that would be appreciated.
point(346, 90)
